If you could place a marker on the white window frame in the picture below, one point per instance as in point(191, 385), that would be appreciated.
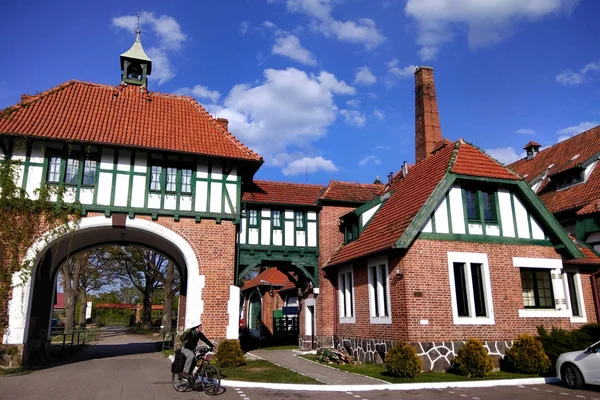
point(579, 294)
point(555, 265)
point(468, 258)
point(346, 298)
point(374, 314)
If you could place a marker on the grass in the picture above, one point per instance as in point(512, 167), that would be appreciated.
point(14, 371)
point(287, 347)
point(264, 371)
point(168, 352)
point(378, 371)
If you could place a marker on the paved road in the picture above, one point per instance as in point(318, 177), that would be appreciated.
point(129, 367)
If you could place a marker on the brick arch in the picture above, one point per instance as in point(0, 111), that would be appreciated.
point(20, 305)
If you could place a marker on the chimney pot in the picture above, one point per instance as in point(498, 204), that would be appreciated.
point(224, 122)
point(428, 131)
point(390, 178)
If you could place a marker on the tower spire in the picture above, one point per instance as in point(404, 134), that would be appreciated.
point(135, 63)
point(137, 31)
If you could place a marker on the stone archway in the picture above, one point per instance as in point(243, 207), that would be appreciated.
point(30, 306)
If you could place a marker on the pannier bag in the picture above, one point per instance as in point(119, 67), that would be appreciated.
point(178, 363)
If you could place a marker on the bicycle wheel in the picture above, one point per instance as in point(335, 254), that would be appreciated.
point(180, 384)
point(211, 380)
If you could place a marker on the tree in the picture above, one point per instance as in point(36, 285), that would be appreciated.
point(93, 276)
point(70, 280)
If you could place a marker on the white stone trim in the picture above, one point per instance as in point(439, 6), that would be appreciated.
point(19, 307)
point(530, 262)
point(543, 313)
point(341, 298)
point(467, 258)
point(375, 262)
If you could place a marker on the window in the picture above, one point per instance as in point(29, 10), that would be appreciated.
point(470, 288)
point(537, 288)
point(54, 170)
point(155, 177)
point(350, 228)
point(89, 173)
point(299, 217)
point(573, 295)
point(379, 294)
point(481, 206)
point(253, 217)
point(71, 171)
point(346, 295)
point(171, 180)
point(568, 177)
point(186, 181)
point(277, 219)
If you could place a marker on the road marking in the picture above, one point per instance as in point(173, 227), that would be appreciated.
point(564, 394)
point(535, 389)
point(549, 391)
point(357, 396)
point(580, 396)
point(450, 392)
point(463, 395)
point(476, 398)
point(522, 387)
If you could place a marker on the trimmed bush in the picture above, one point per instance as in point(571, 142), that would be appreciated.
point(559, 341)
point(229, 354)
point(472, 360)
point(403, 361)
point(527, 356)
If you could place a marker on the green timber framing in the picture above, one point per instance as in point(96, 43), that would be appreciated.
point(64, 149)
point(304, 258)
point(557, 236)
point(586, 225)
point(354, 216)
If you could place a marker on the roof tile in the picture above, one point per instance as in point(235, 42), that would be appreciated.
point(270, 192)
point(351, 192)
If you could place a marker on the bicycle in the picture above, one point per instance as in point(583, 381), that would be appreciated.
point(208, 379)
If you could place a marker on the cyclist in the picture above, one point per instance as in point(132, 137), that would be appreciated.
point(190, 342)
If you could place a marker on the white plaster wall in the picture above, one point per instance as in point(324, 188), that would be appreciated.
point(506, 216)
point(201, 195)
point(441, 218)
point(252, 235)
point(243, 231)
point(522, 219)
point(154, 200)
point(289, 232)
point(37, 152)
point(428, 227)
point(185, 203)
point(124, 160)
point(34, 180)
point(108, 158)
point(104, 188)
point(536, 230)
point(367, 215)
point(170, 202)
point(232, 192)
point(300, 238)
point(140, 162)
point(457, 210)
point(121, 190)
point(139, 191)
point(278, 237)
point(312, 234)
point(216, 193)
point(265, 231)
point(86, 196)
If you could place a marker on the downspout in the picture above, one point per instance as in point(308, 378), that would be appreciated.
point(594, 278)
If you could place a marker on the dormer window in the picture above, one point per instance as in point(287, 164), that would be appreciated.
point(350, 225)
point(481, 206)
point(569, 177)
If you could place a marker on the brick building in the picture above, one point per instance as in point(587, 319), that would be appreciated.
point(451, 247)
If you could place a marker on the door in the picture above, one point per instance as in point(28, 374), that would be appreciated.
point(254, 315)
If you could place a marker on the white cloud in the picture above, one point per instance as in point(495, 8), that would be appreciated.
point(487, 21)
point(200, 92)
point(289, 46)
point(402, 73)
point(374, 159)
point(364, 31)
point(379, 114)
point(269, 24)
point(571, 131)
point(170, 38)
point(525, 131)
point(505, 155)
point(244, 25)
point(353, 103)
point(289, 110)
point(372, 95)
point(354, 117)
point(364, 76)
point(571, 78)
point(309, 165)
point(381, 147)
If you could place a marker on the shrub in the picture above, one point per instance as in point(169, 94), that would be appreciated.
point(229, 354)
point(472, 360)
point(559, 341)
point(403, 361)
point(527, 356)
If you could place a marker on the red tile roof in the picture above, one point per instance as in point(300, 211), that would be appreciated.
point(351, 192)
point(412, 191)
point(532, 144)
point(589, 256)
point(591, 208)
point(282, 193)
point(273, 276)
point(561, 157)
point(123, 115)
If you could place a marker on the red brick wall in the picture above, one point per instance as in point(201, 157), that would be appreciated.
point(425, 270)
point(330, 240)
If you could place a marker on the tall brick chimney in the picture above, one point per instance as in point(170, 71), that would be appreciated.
point(428, 131)
point(223, 122)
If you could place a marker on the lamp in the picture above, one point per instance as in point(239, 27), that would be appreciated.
point(399, 274)
point(300, 291)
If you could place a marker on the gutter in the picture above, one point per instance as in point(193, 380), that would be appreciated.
point(594, 278)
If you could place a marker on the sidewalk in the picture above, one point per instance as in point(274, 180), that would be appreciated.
point(331, 376)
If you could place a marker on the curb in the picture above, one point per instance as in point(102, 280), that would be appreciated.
point(339, 370)
point(393, 386)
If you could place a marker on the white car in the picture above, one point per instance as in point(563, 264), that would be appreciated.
point(577, 368)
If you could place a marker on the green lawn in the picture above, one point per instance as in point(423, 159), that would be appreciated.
point(287, 347)
point(378, 371)
point(264, 371)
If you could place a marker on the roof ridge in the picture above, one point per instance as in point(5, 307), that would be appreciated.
point(357, 183)
point(452, 159)
point(288, 183)
point(491, 158)
point(36, 97)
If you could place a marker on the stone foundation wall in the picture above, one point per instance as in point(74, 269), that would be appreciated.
point(435, 356)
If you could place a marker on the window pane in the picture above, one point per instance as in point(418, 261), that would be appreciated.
point(472, 206)
point(375, 299)
point(277, 219)
point(489, 206)
point(343, 293)
point(71, 172)
point(300, 220)
point(171, 179)
point(544, 289)
point(460, 285)
point(253, 217)
point(573, 295)
point(186, 181)
point(155, 177)
point(54, 169)
point(89, 172)
point(383, 290)
point(478, 291)
point(350, 299)
point(528, 289)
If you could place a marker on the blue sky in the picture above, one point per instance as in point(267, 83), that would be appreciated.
point(323, 89)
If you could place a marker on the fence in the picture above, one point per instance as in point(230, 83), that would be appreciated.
point(82, 335)
point(286, 329)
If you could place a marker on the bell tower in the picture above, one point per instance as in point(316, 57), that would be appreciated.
point(135, 63)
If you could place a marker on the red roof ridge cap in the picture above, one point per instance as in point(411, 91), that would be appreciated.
point(287, 183)
point(462, 141)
